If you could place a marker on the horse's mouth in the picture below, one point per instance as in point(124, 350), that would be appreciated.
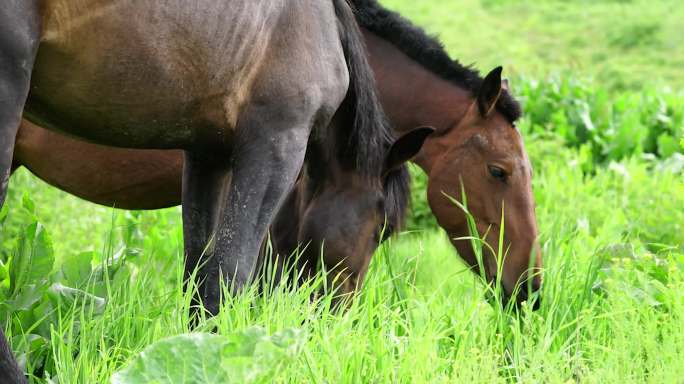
point(523, 298)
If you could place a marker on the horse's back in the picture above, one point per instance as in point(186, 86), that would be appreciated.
point(153, 74)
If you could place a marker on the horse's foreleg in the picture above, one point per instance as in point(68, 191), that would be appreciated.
point(19, 37)
point(268, 154)
point(204, 180)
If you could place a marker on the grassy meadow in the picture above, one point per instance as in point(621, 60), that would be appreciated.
point(85, 289)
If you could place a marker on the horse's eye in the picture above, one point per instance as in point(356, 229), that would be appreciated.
point(497, 172)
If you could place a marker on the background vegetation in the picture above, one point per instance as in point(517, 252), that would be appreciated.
point(84, 289)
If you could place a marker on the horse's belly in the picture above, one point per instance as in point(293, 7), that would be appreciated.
point(141, 74)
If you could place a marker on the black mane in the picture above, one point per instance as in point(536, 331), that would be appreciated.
point(363, 147)
point(426, 50)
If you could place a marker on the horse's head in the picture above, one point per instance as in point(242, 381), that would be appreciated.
point(484, 157)
point(349, 213)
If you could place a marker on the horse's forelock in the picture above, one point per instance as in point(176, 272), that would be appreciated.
point(397, 189)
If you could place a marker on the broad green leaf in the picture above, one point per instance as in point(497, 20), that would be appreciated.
point(61, 295)
point(28, 204)
point(242, 357)
point(26, 297)
point(110, 266)
point(77, 268)
point(34, 259)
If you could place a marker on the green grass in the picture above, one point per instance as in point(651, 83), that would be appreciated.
point(612, 230)
point(613, 306)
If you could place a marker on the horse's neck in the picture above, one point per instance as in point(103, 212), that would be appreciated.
point(413, 96)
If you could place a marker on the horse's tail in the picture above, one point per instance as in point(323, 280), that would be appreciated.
point(370, 133)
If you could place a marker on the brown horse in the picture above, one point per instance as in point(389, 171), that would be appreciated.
point(419, 85)
point(244, 88)
point(343, 214)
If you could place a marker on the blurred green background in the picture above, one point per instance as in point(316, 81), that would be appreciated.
point(622, 44)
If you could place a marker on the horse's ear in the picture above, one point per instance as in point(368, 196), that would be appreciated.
point(406, 148)
point(489, 92)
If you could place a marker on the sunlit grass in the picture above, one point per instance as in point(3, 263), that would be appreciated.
point(612, 308)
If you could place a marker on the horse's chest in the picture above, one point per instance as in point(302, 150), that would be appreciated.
point(143, 74)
